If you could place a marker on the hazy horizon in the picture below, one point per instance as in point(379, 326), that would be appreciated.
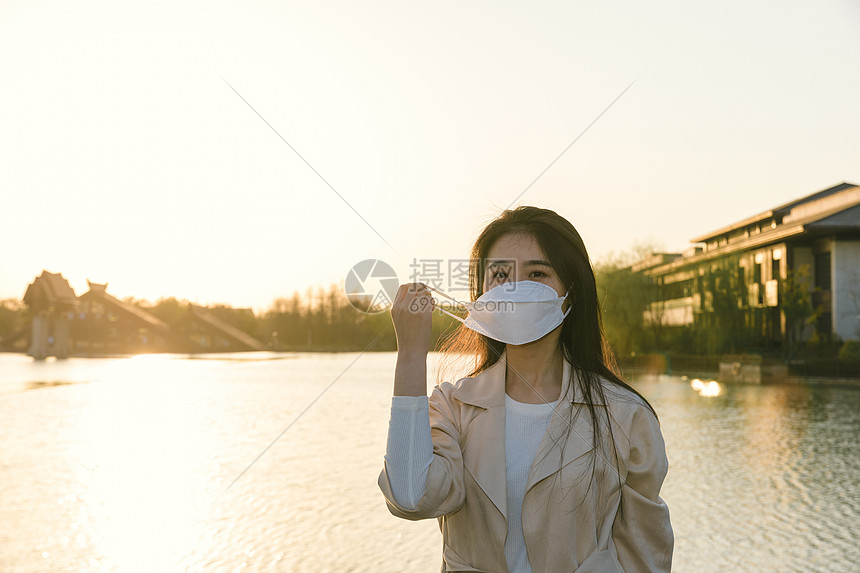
point(127, 158)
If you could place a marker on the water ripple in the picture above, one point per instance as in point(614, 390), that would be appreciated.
point(127, 473)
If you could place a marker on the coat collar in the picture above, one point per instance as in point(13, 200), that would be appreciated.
point(487, 389)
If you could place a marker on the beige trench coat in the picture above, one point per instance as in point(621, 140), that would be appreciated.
point(567, 525)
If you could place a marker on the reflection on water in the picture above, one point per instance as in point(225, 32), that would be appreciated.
point(39, 384)
point(708, 389)
point(123, 467)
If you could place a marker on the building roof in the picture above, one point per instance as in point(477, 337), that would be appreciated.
point(50, 289)
point(848, 219)
point(653, 260)
point(800, 206)
point(835, 209)
point(99, 292)
point(784, 209)
point(226, 330)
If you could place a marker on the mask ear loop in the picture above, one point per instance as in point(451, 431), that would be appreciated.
point(440, 309)
point(569, 306)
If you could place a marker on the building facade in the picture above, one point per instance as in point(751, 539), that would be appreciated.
point(782, 275)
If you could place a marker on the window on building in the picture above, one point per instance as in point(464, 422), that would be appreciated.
point(758, 289)
point(678, 289)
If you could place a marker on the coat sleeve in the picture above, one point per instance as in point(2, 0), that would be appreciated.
point(444, 493)
point(642, 532)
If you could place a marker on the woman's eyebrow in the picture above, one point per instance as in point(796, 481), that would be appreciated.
point(531, 262)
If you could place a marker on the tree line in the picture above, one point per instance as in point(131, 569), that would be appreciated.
point(321, 319)
point(633, 314)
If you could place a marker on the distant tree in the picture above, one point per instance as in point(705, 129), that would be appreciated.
point(625, 298)
point(324, 319)
point(138, 302)
point(13, 317)
point(796, 303)
point(168, 309)
point(285, 324)
point(722, 327)
point(242, 318)
point(850, 351)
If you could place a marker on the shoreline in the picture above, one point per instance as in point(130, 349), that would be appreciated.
point(817, 381)
point(767, 378)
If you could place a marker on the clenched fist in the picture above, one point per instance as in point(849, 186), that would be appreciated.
point(411, 314)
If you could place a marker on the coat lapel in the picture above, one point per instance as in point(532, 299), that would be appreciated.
point(570, 412)
point(484, 446)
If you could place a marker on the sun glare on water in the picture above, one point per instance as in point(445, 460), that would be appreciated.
point(141, 466)
point(708, 389)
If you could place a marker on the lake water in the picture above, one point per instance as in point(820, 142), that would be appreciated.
point(124, 465)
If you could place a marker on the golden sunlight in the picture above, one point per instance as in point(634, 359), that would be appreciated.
point(142, 486)
point(708, 389)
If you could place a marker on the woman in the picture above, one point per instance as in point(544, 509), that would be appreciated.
point(542, 460)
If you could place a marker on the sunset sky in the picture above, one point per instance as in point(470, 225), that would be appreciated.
point(125, 156)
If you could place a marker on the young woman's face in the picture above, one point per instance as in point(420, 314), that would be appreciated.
point(518, 257)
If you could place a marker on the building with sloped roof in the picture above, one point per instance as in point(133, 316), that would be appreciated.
point(51, 301)
point(104, 325)
point(748, 268)
point(99, 324)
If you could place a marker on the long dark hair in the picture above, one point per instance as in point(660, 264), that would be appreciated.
point(584, 345)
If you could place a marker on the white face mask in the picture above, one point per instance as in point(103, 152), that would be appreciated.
point(514, 313)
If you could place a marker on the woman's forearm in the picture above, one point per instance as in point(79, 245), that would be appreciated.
point(410, 373)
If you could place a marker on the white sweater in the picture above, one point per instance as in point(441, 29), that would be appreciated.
point(410, 450)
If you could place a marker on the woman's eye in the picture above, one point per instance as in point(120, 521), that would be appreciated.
point(538, 273)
